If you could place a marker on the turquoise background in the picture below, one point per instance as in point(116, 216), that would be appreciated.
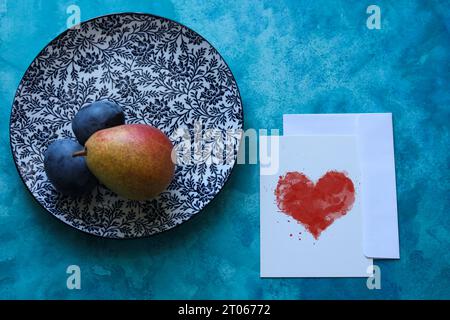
point(287, 57)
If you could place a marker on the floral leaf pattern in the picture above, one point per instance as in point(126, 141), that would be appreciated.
point(162, 74)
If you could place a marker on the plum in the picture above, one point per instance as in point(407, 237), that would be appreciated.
point(69, 175)
point(96, 116)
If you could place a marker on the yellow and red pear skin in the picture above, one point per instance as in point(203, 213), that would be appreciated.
point(133, 160)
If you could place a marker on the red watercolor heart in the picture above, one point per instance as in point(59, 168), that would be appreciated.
point(315, 206)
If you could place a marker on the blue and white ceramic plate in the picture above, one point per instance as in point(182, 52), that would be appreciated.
point(162, 73)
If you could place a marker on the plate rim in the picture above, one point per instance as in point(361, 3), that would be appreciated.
point(59, 36)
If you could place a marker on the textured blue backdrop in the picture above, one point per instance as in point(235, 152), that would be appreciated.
point(287, 57)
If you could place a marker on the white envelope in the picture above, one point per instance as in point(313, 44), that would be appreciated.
point(375, 144)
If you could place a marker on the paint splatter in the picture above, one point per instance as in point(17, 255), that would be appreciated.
point(315, 205)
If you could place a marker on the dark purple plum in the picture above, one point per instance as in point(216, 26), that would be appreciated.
point(69, 175)
point(96, 116)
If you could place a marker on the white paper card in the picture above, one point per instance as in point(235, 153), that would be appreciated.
point(376, 153)
point(288, 249)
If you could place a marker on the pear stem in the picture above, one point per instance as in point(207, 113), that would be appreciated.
point(81, 153)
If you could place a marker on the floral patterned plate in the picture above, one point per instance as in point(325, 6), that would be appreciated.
point(162, 73)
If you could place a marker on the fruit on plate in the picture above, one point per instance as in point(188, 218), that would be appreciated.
point(133, 160)
point(69, 175)
point(96, 116)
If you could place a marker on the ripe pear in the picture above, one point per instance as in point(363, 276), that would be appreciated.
point(133, 160)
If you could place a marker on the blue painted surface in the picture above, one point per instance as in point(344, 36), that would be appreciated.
point(287, 57)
